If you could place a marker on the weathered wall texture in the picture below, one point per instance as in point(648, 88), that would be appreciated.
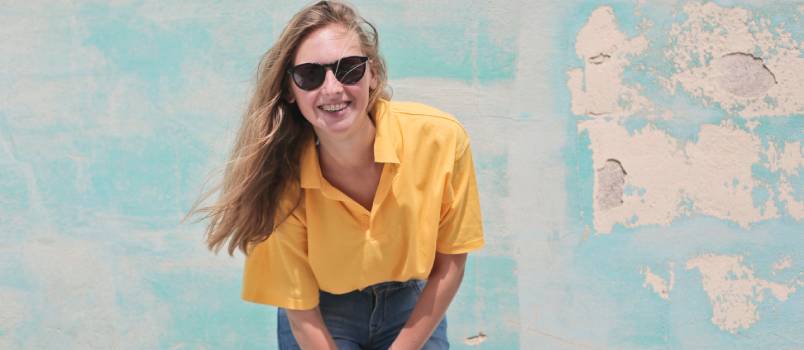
point(640, 167)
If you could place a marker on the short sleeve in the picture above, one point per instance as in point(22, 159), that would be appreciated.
point(277, 270)
point(461, 228)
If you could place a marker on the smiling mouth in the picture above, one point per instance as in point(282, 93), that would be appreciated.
point(334, 107)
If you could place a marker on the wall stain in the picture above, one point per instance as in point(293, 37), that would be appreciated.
point(610, 184)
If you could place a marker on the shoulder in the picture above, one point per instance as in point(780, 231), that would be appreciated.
point(419, 112)
point(423, 121)
point(290, 206)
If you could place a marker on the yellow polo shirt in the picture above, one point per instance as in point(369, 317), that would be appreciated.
point(426, 202)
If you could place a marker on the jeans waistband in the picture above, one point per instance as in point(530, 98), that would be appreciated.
point(390, 285)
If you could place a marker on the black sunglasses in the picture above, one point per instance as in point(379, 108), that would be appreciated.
point(348, 70)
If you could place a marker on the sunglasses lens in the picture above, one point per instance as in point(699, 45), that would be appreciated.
point(351, 70)
point(308, 76)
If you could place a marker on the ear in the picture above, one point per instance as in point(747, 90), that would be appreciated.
point(373, 83)
point(288, 97)
point(287, 92)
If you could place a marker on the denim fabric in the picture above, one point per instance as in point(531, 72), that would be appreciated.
point(367, 319)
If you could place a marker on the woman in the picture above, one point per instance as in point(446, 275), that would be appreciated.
point(343, 201)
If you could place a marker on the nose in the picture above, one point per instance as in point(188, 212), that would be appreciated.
point(331, 84)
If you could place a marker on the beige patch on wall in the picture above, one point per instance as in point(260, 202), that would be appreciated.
point(662, 287)
point(786, 162)
point(734, 291)
point(648, 177)
point(783, 264)
point(597, 89)
point(793, 206)
point(667, 178)
point(727, 56)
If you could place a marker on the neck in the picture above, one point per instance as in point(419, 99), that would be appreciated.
point(354, 152)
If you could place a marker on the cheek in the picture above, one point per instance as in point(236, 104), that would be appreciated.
point(359, 92)
point(300, 97)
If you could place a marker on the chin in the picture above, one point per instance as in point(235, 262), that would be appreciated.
point(338, 126)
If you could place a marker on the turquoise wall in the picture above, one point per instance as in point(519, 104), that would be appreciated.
point(112, 116)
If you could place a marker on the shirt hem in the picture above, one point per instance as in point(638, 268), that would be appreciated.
point(285, 303)
point(464, 248)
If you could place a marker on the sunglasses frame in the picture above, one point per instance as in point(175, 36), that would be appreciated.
point(334, 67)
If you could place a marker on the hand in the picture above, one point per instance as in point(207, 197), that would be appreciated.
point(309, 329)
point(442, 285)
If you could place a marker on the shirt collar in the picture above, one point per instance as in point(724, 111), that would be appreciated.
point(387, 146)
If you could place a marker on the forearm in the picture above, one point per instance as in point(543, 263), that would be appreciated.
point(309, 329)
point(442, 285)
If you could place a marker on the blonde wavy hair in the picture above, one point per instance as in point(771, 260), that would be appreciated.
point(264, 163)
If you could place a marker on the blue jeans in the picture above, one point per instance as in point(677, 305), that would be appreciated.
point(367, 319)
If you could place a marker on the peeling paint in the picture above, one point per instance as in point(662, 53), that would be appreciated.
point(672, 173)
point(789, 160)
point(597, 89)
point(733, 290)
point(793, 206)
point(706, 66)
point(476, 339)
point(782, 264)
point(743, 74)
point(659, 285)
point(712, 176)
point(611, 180)
point(787, 163)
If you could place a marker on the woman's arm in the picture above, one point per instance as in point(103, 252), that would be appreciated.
point(443, 283)
point(309, 329)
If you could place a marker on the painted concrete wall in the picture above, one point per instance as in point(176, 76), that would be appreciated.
point(640, 167)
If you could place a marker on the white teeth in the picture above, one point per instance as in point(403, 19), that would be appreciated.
point(333, 108)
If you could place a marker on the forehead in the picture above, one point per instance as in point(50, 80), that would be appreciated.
point(328, 44)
